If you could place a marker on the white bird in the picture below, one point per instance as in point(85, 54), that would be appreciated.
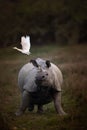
point(25, 42)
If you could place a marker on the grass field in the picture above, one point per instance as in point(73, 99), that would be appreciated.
point(72, 60)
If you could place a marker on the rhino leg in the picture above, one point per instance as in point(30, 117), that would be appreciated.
point(40, 109)
point(24, 103)
point(31, 107)
point(57, 103)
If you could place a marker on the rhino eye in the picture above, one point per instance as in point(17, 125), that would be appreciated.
point(46, 74)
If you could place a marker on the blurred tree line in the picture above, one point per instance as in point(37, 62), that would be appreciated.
point(46, 21)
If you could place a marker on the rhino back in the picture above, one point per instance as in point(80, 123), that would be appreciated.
point(23, 74)
point(56, 76)
point(29, 81)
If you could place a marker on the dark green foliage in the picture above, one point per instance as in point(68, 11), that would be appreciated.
point(60, 21)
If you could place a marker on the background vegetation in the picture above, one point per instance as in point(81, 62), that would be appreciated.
point(59, 21)
point(72, 60)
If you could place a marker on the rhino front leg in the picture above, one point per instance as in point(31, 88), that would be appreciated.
point(57, 103)
point(40, 109)
point(24, 103)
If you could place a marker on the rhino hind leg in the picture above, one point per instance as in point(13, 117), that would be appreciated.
point(40, 109)
point(31, 107)
point(24, 103)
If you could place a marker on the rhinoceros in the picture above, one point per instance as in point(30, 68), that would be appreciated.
point(40, 83)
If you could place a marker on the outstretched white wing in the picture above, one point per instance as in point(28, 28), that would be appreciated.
point(25, 42)
point(28, 42)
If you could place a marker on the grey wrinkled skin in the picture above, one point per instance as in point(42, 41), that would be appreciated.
point(40, 83)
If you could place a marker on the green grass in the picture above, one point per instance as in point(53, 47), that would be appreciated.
point(72, 60)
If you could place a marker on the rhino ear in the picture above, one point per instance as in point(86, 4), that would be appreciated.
point(34, 63)
point(48, 63)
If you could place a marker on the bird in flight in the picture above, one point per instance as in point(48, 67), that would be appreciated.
point(25, 42)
